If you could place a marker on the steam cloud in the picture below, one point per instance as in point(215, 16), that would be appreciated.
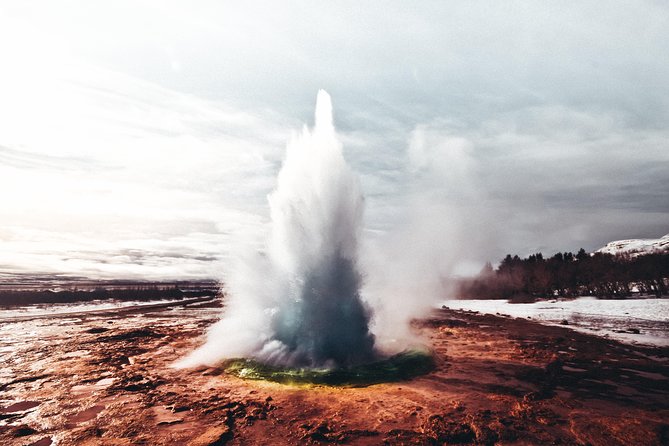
point(299, 303)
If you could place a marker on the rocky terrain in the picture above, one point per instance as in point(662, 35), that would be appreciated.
point(106, 379)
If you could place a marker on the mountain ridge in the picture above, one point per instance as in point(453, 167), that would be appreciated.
point(636, 247)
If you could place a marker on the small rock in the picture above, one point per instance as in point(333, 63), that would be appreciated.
point(484, 435)
point(448, 431)
point(23, 431)
point(407, 437)
point(564, 322)
point(214, 436)
point(170, 422)
point(212, 371)
point(458, 406)
point(256, 412)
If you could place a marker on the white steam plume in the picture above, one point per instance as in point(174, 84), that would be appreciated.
point(298, 304)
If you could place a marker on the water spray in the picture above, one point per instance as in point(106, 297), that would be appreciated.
point(298, 303)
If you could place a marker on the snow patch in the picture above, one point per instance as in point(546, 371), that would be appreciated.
point(636, 247)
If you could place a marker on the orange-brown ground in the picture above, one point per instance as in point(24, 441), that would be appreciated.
point(106, 380)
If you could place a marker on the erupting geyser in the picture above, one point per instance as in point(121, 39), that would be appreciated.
point(316, 216)
point(298, 304)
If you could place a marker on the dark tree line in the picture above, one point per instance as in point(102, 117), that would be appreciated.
point(567, 274)
point(138, 293)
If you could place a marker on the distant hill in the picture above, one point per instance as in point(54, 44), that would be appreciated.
point(28, 290)
point(637, 247)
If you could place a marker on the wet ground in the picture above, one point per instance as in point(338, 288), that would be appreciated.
point(105, 379)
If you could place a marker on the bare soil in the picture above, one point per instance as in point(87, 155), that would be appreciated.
point(106, 379)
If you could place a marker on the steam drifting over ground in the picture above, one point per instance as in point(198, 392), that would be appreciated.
point(298, 303)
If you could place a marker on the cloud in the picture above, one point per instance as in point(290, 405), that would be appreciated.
point(488, 127)
point(95, 162)
point(543, 179)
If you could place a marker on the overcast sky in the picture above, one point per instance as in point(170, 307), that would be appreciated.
point(141, 138)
